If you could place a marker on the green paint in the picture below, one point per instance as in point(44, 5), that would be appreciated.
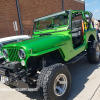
point(59, 38)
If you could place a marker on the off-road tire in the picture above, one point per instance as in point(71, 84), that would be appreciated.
point(46, 80)
point(93, 47)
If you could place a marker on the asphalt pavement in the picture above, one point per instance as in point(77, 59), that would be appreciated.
point(85, 84)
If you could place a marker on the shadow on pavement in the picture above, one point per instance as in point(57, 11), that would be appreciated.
point(32, 95)
point(80, 71)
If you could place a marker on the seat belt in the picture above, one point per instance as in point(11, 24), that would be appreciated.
point(82, 30)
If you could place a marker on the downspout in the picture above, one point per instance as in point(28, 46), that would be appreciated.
point(84, 5)
point(62, 5)
point(63, 9)
point(19, 17)
point(70, 20)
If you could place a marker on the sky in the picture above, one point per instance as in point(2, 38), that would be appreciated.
point(94, 7)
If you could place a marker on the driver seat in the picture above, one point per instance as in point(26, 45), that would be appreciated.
point(77, 32)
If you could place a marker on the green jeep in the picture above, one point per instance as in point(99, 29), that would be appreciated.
point(40, 62)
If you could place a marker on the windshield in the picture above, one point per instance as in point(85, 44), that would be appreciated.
point(0, 47)
point(5, 43)
point(50, 23)
point(8, 42)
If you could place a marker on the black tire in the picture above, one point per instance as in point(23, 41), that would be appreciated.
point(46, 80)
point(93, 49)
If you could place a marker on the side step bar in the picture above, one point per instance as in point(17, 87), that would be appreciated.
point(78, 57)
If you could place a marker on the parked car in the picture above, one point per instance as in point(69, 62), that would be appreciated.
point(11, 39)
point(40, 62)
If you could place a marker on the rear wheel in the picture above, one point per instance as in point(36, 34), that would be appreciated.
point(54, 82)
point(93, 52)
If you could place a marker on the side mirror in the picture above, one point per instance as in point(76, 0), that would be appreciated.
point(28, 32)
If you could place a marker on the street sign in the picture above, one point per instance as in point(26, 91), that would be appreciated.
point(15, 26)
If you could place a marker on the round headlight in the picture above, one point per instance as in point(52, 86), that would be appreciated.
point(5, 53)
point(21, 54)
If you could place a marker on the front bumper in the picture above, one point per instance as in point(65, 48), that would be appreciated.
point(16, 76)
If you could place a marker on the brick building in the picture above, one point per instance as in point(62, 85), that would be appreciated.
point(29, 10)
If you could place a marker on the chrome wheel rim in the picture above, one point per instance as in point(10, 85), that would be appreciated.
point(60, 85)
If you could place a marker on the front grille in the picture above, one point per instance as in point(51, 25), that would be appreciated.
point(13, 54)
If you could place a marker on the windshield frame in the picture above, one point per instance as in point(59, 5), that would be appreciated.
point(50, 16)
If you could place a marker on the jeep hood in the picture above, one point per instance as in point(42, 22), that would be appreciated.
point(41, 43)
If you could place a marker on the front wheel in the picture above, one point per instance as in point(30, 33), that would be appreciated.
point(54, 82)
point(93, 52)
